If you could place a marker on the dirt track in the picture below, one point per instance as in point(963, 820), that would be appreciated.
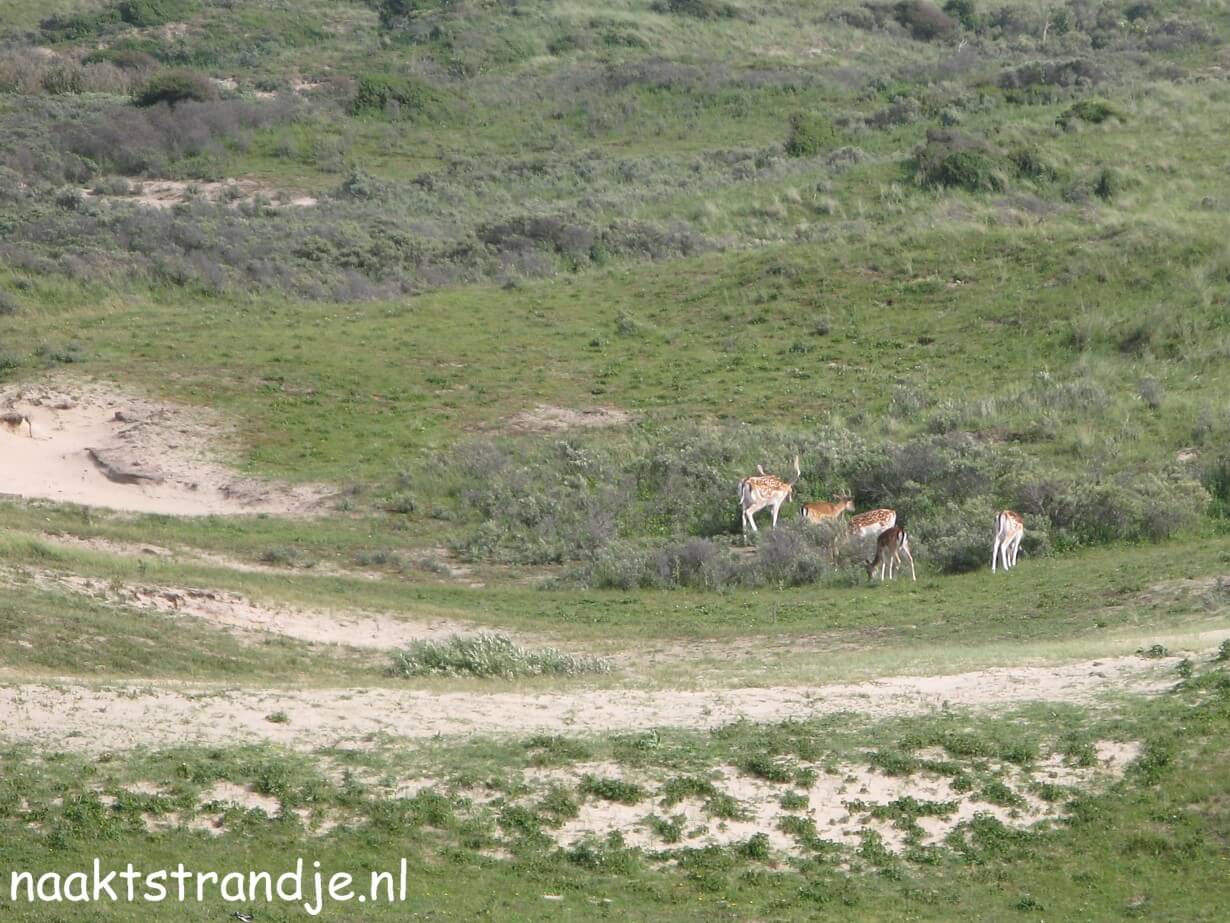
point(80, 717)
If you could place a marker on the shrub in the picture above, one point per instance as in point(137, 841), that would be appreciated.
point(397, 97)
point(176, 86)
point(809, 135)
point(951, 158)
point(143, 13)
point(1051, 73)
point(697, 9)
point(1093, 111)
point(963, 11)
point(123, 58)
point(487, 655)
point(926, 21)
point(9, 304)
point(612, 789)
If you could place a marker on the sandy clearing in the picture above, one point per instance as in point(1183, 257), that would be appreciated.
point(95, 445)
point(352, 628)
point(547, 418)
point(168, 193)
point(70, 715)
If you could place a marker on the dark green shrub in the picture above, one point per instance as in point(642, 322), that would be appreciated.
point(176, 86)
point(155, 12)
point(1093, 111)
point(9, 305)
point(809, 135)
point(123, 58)
point(962, 11)
point(75, 28)
point(953, 159)
point(396, 96)
point(697, 9)
point(926, 21)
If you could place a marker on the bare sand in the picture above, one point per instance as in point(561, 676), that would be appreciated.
point(72, 715)
point(97, 446)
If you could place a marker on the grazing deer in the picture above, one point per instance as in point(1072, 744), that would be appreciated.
point(872, 522)
point(819, 511)
point(1009, 530)
point(890, 546)
point(761, 490)
point(14, 421)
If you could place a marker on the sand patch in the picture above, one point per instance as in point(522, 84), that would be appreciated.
point(94, 445)
point(71, 715)
point(167, 193)
point(352, 628)
point(546, 418)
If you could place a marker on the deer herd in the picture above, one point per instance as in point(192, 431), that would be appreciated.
point(761, 491)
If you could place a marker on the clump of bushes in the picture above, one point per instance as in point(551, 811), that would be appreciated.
point(697, 9)
point(176, 86)
point(154, 12)
point(809, 135)
point(397, 97)
point(490, 655)
point(925, 21)
point(953, 159)
point(1093, 111)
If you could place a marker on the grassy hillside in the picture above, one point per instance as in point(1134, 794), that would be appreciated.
point(956, 257)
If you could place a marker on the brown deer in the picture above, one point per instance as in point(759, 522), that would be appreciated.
point(13, 422)
point(872, 522)
point(761, 490)
point(1009, 530)
point(890, 546)
point(820, 511)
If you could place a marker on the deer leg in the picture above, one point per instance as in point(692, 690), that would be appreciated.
point(910, 558)
point(994, 553)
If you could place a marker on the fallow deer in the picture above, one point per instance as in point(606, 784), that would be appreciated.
point(13, 422)
point(819, 511)
point(759, 491)
point(890, 546)
point(872, 522)
point(1009, 530)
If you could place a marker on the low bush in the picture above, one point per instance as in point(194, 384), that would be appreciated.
point(1093, 111)
point(144, 13)
point(924, 20)
point(951, 158)
point(396, 96)
point(809, 135)
point(490, 655)
point(697, 9)
point(176, 86)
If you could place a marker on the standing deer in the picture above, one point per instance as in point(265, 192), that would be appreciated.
point(890, 546)
point(1009, 530)
point(872, 522)
point(761, 490)
point(819, 511)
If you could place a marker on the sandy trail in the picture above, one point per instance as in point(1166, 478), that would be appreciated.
point(93, 445)
point(79, 717)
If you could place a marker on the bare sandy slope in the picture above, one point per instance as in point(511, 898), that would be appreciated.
point(75, 716)
point(93, 445)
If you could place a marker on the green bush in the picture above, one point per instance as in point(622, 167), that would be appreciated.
point(143, 13)
point(953, 159)
point(398, 97)
point(810, 135)
point(926, 21)
point(488, 655)
point(962, 11)
point(176, 86)
point(697, 9)
point(1093, 111)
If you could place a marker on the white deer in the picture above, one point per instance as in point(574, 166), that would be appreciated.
point(1009, 530)
point(759, 491)
point(890, 546)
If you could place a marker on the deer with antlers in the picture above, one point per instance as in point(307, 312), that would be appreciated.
point(1009, 530)
point(890, 546)
point(820, 511)
point(761, 490)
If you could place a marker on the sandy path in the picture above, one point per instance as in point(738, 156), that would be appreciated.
point(81, 717)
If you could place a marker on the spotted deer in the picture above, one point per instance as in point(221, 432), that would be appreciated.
point(820, 511)
point(872, 522)
point(13, 422)
point(761, 490)
point(890, 546)
point(1009, 530)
